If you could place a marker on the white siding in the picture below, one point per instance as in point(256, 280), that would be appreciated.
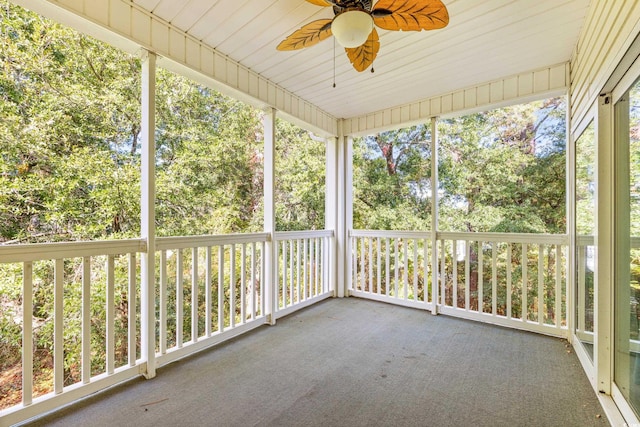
point(511, 90)
point(609, 30)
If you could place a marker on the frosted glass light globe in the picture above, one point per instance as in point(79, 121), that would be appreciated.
point(352, 28)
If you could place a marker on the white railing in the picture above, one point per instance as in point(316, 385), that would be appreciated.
point(480, 275)
point(392, 266)
point(104, 277)
point(208, 289)
point(585, 298)
point(303, 269)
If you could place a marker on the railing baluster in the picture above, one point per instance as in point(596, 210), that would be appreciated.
point(370, 269)
point(179, 299)
point(131, 315)
point(480, 277)
point(27, 333)
point(509, 287)
point(298, 270)
point(415, 269)
point(58, 327)
point(221, 288)
point(284, 274)
point(291, 269)
point(467, 274)
point(318, 278)
point(396, 267)
point(387, 278)
point(425, 277)
point(111, 318)
point(558, 290)
point(443, 275)
point(253, 280)
point(454, 273)
point(243, 283)
point(494, 279)
point(194, 294)
point(263, 249)
point(378, 267)
point(582, 288)
point(208, 302)
point(362, 268)
point(525, 284)
point(163, 302)
point(541, 298)
point(305, 269)
point(232, 286)
point(405, 270)
point(86, 320)
point(313, 285)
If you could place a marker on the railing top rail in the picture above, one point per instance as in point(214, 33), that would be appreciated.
point(182, 242)
point(584, 240)
point(311, 234)
point(48, 251)
point(587, 240)
point(391, 234)
point(550, 239)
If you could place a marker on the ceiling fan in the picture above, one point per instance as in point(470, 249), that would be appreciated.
point(354, 24)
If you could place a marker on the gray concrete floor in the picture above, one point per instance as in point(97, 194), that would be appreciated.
point(350, 362)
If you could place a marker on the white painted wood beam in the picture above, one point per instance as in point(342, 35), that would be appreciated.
point(147, 214)
point(271, 249)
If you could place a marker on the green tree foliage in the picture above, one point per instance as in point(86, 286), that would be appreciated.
point(392, 180)
point(70, 117)
point(504, 170)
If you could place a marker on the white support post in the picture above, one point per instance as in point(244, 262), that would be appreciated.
point(269, 124)
point(570, 201)
point(604, 244)
point(434, 215)
point(147, 217)
point(332, 214)
point(345, 211)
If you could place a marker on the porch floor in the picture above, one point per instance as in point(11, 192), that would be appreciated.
point(351, 362)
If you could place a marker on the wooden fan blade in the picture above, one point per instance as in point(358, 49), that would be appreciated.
point(363, 56)
point(309, 35)
point(410, 15)
point(319, 2)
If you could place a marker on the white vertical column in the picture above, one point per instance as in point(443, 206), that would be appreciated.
point(147, 216)
point(434, 215)
point(331, 214)
point(344, 194)
point(570, 202)
point(269, 124)
point(604, 244)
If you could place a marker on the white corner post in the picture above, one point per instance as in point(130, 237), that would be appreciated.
point(604, 241)
point(270, 253)
point(343, 194)
point(435, 202)
point(570, 212)
point(148, 217)
point(331, 213)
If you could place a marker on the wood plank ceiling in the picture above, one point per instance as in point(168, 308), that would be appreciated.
point(485, 40)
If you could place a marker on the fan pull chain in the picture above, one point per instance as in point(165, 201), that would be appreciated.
point(334, 62)
point(372, 70)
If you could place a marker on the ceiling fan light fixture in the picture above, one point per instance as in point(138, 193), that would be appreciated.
point(352, 28)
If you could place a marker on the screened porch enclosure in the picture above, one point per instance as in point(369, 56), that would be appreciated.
point(172, 305)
